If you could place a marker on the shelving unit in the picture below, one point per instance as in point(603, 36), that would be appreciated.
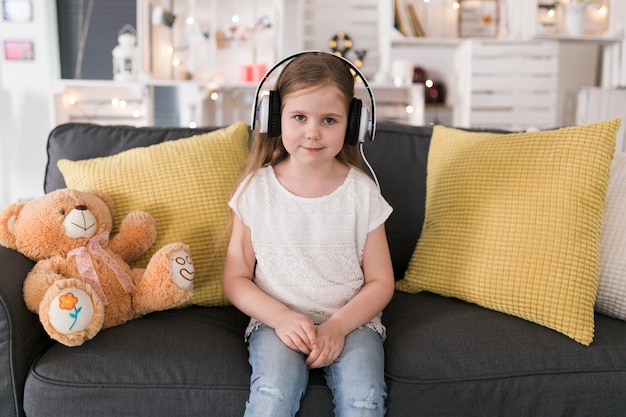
point(476, 72)
point(477, 97)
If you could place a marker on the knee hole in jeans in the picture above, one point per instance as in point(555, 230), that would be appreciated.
point(369, 402)
point(271, 392)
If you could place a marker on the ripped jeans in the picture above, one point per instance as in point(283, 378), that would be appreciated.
point(280, 376)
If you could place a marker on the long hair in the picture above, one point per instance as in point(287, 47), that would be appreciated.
point(314, 69)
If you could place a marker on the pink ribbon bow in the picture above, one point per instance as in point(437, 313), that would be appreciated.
point(88, 272)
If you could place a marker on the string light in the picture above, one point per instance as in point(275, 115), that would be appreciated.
point(91, 109)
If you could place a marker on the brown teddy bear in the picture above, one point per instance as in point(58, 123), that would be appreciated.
point(82, 281)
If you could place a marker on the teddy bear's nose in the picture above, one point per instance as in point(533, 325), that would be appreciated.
point(80, 223)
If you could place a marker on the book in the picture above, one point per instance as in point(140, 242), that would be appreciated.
point(401, 20)
point(418, 29)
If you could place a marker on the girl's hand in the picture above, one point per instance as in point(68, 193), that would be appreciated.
point(330, 339)
point(297, 331)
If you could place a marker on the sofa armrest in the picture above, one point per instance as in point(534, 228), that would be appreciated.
point(22, 337)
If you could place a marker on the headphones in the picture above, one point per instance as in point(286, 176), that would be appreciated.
point(361, 124)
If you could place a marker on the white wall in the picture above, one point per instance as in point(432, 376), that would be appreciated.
point(25, 103)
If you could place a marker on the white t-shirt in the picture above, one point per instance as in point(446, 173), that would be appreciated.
point(309, 251)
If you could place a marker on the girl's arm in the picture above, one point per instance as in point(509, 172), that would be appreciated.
point(294, 329)
point(371, 300)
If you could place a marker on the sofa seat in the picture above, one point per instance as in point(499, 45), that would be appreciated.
point(482, 355)
point(485, 355)
point(194, 356)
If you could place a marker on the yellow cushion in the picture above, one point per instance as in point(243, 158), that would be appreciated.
point(513, 222)
point(185, 184)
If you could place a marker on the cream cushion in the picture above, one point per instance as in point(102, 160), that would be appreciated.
point(611, 298)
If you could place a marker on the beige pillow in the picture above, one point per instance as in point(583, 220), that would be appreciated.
point(611, 298)
point(513, 222)
point(185, 184)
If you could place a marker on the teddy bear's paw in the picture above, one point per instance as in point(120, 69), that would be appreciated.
point(70, 311)
point(182, 270)
point(71, 314)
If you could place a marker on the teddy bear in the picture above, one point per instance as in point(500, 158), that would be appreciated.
point(82, 281)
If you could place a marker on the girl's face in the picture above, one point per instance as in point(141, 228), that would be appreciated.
point(314, 124)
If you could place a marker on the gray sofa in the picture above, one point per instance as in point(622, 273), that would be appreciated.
point(444, 357)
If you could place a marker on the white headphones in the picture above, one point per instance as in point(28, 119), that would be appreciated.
point(266, 111)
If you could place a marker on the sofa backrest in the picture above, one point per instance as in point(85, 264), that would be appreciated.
point(398, 156)
point(77, 141)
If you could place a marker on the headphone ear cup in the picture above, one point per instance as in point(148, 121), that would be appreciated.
point(354, 122)
point(273, 121)
point(262, 114)
point(365, 127)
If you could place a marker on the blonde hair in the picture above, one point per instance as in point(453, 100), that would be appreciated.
point(312, 69)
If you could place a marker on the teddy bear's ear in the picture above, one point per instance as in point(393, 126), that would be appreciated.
point(7, 218)
point(104, 197)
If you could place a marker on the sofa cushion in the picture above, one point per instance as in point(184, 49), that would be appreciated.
point(180, 362)
point(446, 357)
point(513, 222)
point(185, 185)
point(611, 299)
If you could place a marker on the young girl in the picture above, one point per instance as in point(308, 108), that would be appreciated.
point(308, 259)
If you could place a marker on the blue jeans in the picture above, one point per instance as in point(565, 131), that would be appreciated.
point(280, 376)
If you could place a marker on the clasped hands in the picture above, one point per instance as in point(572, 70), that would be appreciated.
point(321, 344)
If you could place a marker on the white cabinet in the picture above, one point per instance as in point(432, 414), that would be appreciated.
point(512, 85)
point(103, 102)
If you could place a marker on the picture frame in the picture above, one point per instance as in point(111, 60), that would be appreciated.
point(479, 18)
point(19, 50)
point(17, 11)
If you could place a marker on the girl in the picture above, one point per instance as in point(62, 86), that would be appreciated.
point(308, 259)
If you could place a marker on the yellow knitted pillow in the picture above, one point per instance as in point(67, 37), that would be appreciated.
point(185, 184)
point(513, 222)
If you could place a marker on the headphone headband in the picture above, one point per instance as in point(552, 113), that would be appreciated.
point(372, 114)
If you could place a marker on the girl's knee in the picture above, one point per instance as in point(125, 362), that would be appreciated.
point(273, 398)
point(362, 401)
